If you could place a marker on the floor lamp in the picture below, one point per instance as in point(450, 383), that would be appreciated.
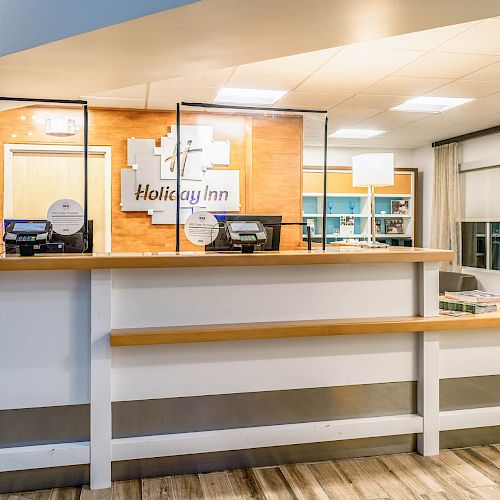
point(371, 170)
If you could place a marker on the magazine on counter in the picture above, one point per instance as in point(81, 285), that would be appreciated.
point(473, 296)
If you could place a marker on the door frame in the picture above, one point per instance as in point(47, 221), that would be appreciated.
point(11, 149)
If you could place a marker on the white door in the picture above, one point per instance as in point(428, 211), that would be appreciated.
point(39, 178)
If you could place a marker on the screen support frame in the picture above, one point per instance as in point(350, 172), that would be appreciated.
point(252, 108)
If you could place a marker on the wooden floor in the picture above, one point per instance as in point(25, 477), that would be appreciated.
point(455, 474)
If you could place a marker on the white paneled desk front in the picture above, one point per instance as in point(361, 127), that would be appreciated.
point(127, 327)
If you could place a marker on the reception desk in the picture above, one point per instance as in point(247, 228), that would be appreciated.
point(169, 363)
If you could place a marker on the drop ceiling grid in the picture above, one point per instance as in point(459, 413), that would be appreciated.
point(418, 116)
point(318, 80)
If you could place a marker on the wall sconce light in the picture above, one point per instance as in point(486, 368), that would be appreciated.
point(60, 127)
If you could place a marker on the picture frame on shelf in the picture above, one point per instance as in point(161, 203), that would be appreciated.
point(394, 226)
point(378, 226)
point(400, 207)
point(346, 225)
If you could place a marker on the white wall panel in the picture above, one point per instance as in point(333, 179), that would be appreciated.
point(480, 193)
point(161, 297)
point(165, 371)
point(44, 338)
point(469, 353)
point(487, 279)
point(342, 156)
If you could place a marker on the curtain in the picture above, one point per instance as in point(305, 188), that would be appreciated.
point(446, 230)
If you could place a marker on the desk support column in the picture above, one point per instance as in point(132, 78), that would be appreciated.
point(100, 379)
point(428, 351)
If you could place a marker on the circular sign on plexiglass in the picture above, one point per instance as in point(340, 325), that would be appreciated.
point(66, 216)
point(201, 228)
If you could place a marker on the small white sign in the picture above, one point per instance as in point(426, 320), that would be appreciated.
point(201, 228)
point(66, 216)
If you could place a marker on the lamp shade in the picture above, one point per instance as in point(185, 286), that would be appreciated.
point(373, 169)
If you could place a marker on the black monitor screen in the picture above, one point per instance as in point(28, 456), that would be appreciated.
point(37, 227)
point(239, 227)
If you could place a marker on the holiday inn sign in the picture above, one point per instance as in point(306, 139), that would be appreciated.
point(150, 184)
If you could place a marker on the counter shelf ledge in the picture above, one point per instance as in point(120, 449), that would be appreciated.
point(291, 329)
point(214, 259)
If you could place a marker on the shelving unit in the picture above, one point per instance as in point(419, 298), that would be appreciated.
point(343, 200)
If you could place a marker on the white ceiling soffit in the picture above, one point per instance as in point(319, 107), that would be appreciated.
point(212, 34)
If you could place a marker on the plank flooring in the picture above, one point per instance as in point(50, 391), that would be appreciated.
point(466, 473)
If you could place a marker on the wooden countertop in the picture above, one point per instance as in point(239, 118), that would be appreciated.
point(293, 329)
point(338, 255)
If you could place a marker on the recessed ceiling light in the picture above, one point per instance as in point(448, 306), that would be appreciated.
point(428, 104)
point(23, 117)
point(13, 135)
point(248, 96)
point(355, 133)
point(30, 133)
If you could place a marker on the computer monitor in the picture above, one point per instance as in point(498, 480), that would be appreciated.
point(272, 224)
point(73, 243)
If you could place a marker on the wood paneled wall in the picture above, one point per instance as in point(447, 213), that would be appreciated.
point(266, 149)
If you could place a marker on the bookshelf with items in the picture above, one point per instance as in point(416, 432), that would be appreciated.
point(348, 208)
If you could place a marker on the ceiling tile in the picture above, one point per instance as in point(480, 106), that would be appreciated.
point(482, 38)
point(166, 96)
point(342, 117)
point(467, 127)
point(373, 142)
point(424, 126)
point(405, 85)
point(446, 65)
point(266, 79)
point(470, 111)
point(420, 40)
point(382, 102)
point(475, 109)
point(311, 100)
point(467, 88)
point(216, 78)
point(390, 120)
point(356, 60)
point(337, 84)
point(309, 61)
point(134, 92)
point(489, 74)
point(492, 97)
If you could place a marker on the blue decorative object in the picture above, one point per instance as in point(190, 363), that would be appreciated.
point(352, 207)
point(330, 207)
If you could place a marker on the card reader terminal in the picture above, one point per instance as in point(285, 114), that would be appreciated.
point(28, 236)
point(246, 235)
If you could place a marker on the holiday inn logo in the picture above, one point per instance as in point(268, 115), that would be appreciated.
point(192, 197)
point(150, 181)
